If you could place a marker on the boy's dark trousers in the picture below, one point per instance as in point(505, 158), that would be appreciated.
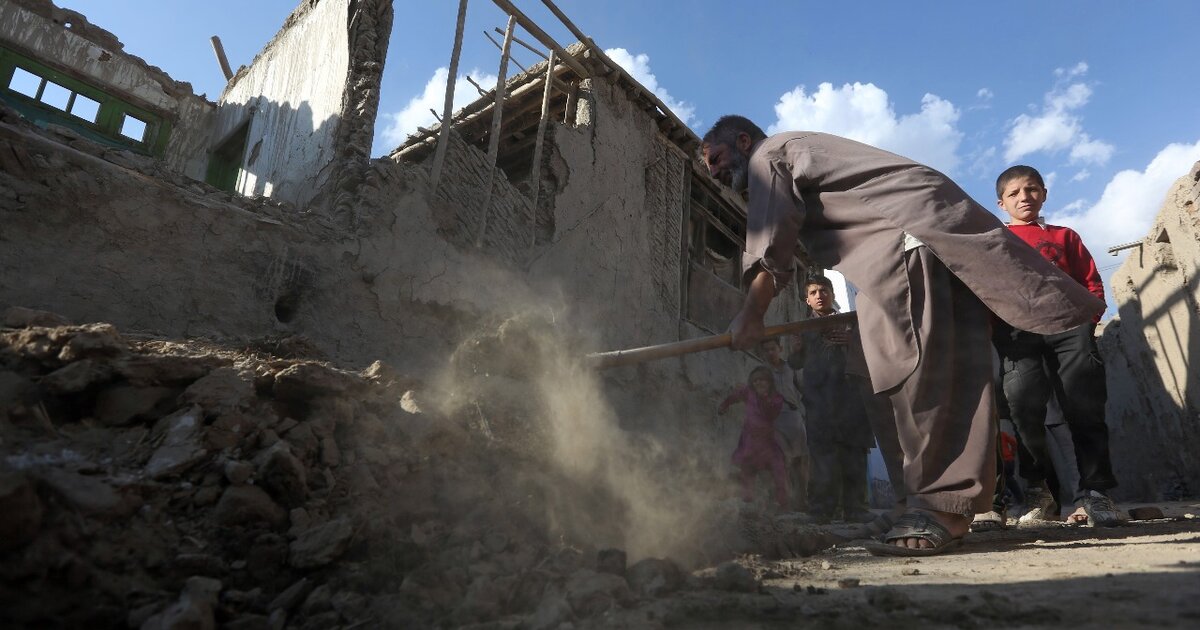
point(838, 475)
point(1069, 365)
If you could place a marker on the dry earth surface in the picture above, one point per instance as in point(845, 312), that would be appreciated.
point(167, 484)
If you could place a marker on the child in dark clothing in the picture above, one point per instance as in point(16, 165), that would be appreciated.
point(1067, 363)
point(839, 434)
point(757, 449)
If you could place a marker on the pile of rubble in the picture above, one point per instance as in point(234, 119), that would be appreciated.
point(149, 483)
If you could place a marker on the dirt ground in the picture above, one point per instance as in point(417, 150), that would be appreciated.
point(168, 485)
point(1146, 574)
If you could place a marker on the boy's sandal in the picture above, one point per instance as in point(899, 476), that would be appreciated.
point(915, 525)
point(989, 522)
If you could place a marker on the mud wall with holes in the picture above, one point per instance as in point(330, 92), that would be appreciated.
point(1150, 352)
point(99, 234)
point(65, 41)
point(611, 230)
point(308, 100)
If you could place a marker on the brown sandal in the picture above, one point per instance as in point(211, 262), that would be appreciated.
point(915, 525)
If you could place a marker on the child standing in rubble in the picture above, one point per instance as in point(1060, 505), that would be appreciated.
point(757, 448)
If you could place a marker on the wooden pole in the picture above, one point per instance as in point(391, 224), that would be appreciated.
point(542, 37)
point(522, 42)
point(478, 88)
point(605, 360)
point(535, 171)
point(219, 51)
point(439, 156)
point(572, 101)
point(499, 47)
point(494, 136)
point(595, 50)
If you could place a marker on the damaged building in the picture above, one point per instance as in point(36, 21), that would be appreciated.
point(566, 197)
point(262, 215)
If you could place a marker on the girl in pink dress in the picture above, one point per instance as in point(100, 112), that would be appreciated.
point(757, 449)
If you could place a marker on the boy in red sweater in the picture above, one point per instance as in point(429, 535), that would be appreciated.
point(1067, 363)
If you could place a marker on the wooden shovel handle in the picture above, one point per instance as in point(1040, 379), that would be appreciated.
point(605, 360)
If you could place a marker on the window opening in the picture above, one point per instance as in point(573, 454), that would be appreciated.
point(45, 95)
point(56, 96)
point(133, 128)
point(85, 108)
point(25, 82)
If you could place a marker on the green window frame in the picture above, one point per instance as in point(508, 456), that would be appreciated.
point(64, 100)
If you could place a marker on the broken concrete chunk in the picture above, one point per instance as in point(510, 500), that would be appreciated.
point(155, 369)
point(282, 474)
point(485, 599)
point(243, 505)
point(319, 600)
point(204, 564)
point(291, 596)
point(20, 511)
point(306, 380)
point(330, 455)
point(887, 599)
point(21, 317)
point(220, 391)
point(320, 545)
point(238, 472)
point(76, 377)
point(552, 612)
point(229, 429)
point(89, 494)
point(17, 393)
point(193, 610)
point(182, 446)
point(93, 340)
point(732, 576)
point(590, 593)
point(654, 577)
point(123, 404)
point(611, 561)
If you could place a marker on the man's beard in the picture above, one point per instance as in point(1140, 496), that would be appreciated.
point(739, 172)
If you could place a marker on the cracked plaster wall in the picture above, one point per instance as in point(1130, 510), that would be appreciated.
point(293, 94)
point(460, 198)
point(1153, 408)
point(38, 29)
point(151, 250)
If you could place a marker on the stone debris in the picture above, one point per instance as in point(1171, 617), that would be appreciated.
point(321, 544)
point(732, 576)
point(20, 511)
point(182, 446)
point(887, 599)
point(160, 484)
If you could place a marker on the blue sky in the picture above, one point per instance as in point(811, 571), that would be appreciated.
point(1099, 95)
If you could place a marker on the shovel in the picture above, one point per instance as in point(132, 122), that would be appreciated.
point(605, 360)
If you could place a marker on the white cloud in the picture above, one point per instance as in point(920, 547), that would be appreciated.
point(1050, 178)
point(1078, 69)
point(1074, 206)
point(639, 67)
point(1058, 126)
point(1130, 200)
point(984, 94)
point(416, 114)
point(1081, 175)
point(863, 112)
point(1091, 151)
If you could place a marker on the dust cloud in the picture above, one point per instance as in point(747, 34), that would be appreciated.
point(601, 484)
